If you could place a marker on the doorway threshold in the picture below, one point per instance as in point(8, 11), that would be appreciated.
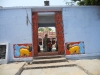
point(47, 53)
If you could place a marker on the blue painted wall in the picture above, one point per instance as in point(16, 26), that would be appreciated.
point(14, 29)
point(83, 24)
point(80, 24)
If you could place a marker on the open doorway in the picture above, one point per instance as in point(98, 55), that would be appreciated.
point(48, 20)
point(46, 25)
point(52, 39)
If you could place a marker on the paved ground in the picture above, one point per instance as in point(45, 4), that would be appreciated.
point(83, 67)
point(11, 69)
point(90, 66)
point(55, 71)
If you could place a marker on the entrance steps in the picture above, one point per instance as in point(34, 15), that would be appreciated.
point(50, 65)
point(48, 57)
point(47, 53)
point(48, 62)
point(53, 60)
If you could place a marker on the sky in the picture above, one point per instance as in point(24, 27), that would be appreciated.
point(14, 3)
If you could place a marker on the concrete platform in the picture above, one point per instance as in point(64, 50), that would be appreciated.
point(12, 68)
point(55, 71)
point(92, 67)
point(86, 66)
point(73, 67)
point(50, 65)
point(53, 60)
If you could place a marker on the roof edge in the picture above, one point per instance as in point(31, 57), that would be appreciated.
point(18, 7)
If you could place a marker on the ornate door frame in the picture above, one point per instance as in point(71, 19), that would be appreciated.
point(35, 33)
point(59, 31)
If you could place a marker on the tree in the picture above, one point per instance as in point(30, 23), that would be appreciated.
point(76, 0)
point(67, 2)
point(49, 29)
point(71, 2)
point(45, 29)
point(88, 2)
point(41, 29)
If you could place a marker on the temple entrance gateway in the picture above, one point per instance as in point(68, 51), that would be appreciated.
point(48, 19)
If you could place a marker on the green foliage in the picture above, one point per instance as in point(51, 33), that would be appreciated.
point(44, 29)
point(81, 3)
point(41, 29)
point(50, 29)
point(89, 2)
point(76, 0)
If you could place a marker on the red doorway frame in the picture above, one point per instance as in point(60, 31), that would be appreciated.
point(59, 31)
point(35, 33)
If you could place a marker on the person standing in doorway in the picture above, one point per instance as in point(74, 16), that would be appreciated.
point(45, 43)
point(50, 46)
point(56, 46)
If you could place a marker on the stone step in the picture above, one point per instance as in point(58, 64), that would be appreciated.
point(48, 57)
point(47, 53)
point(50, 65)
point(54, 60)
